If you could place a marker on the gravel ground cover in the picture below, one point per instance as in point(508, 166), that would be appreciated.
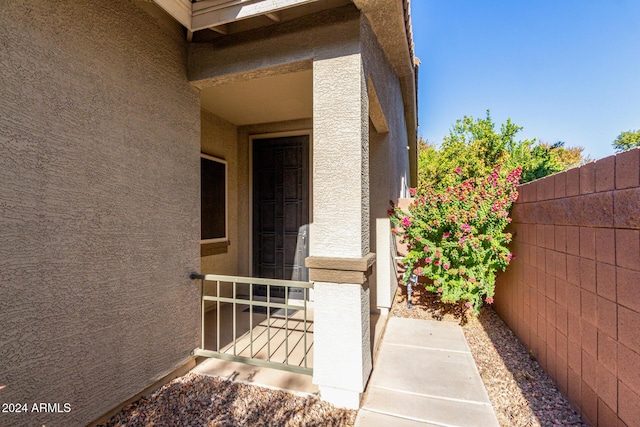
point(196, 400)
point(520, 391)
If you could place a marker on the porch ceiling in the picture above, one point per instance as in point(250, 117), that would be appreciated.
point(263, 100)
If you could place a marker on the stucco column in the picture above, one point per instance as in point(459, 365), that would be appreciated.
point(340, 159)
point(339, 260)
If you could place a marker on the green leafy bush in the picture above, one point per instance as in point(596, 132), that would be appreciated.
point(456, 235)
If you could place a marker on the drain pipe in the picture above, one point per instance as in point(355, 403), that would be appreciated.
point(413, 280)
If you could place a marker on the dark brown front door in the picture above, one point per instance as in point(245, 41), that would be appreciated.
point(280, 209)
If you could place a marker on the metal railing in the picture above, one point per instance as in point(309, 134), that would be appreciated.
point(247, 353)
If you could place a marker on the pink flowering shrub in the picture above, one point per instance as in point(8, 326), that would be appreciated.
point(456, 236)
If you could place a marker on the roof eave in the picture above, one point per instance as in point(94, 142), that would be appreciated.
point(391, 22)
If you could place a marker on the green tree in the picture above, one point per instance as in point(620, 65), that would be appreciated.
point(474, 148)
point(427, 163)
point(570, 157)
point(627, 140)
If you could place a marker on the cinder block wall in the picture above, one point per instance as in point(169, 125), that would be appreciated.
point(572, 295)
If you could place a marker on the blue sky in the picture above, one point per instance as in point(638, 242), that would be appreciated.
point(564, 70)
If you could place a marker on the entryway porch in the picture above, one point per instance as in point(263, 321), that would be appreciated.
point(261, 330)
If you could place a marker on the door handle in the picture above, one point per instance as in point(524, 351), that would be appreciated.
point(304, 239)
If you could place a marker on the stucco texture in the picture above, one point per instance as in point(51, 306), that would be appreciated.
point(99, 206)
point(220, 139)
point(342, 345)
point(388, 156)
point(340, 225)
point(288, 47)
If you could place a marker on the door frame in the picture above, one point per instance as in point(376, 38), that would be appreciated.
point(258, 136)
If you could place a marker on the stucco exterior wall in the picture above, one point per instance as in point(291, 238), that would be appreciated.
point(342, 344)
point(341, 223)
point(99, 206)
point(388, 158)
point(388, 150)
point(291, 46)
point(572, 294)
point(220, 139)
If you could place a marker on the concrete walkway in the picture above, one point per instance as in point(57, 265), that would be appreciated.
point(425, 375)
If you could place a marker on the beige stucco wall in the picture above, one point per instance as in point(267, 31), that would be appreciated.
point(290, 46)
point(388, 157)
point(342, 346)
point(220, 139)
point(99, 213)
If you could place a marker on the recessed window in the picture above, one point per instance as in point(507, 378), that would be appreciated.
point(213, 189)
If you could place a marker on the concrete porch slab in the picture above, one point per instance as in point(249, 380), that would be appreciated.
point(275, 379)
